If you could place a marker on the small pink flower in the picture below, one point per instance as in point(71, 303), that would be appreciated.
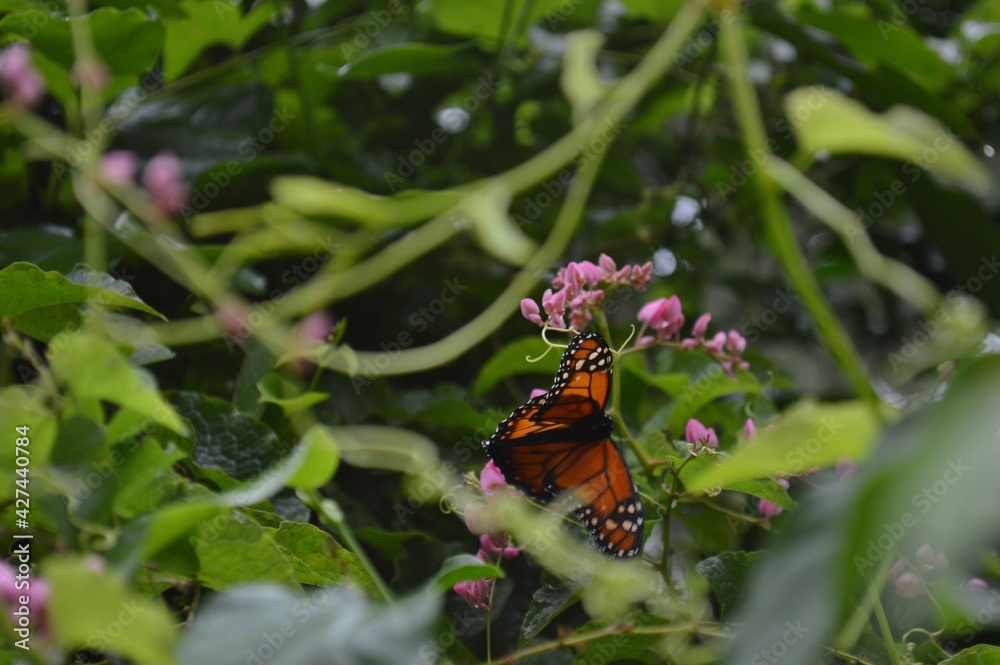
point(663, 315)
point(931, 561)
point(908, 585)
point(163, 179)
point(572, 279)
point(316, 327)
point(590, 273)
point(491, 479)
point(896, 569)
point(690, 343)
point(554, 303)
point(697, 433)
point(530, 311)
point(93, 74)
point(608, 267)
point(118, 167)
point(749, 429)
point(714, 346)
point(701, 326)
point(232, 318)
point(735, 342)
point(537, 392)
point(493, 544)
point(976, 584)
point(845, 467)
point(475, 592)
point(19, 78)
point(770, 510)
point(641, 276)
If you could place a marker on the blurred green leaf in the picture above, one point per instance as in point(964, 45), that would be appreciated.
point(319, 459)
point(981, 654)
point(487, 22)
point(728, 574)
point(316, 558)
point(92, 368)
point(203, 24)
point(233, 548)
point(807, 435)
point(413, 58)
point(826, 120)
point(276, 390)
point(461, 568)
point(379, 447)
point(42, 304)
point(762, 488)
point(703, 388)
point(311, 628)
point(95, 610)
point(550, 600)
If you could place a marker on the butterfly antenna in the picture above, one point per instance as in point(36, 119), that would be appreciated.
point(630, 336)
point(551, 344)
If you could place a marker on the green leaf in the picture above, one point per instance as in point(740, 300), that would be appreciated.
point(319, 459)
point(932, 480)
point(311, 628)
point(453, 16)
point(728, 574)
point(276, 390)
point(205, 24)
point(826, 120)
point(226, 439)
point(763, 488)
point(176, 520)
point(511, 360)
point(42, 304)
point(706, 388)
point(461, 568)
point(26, 406)
point(413, 58)
point(49, 246)
point(92, 368)
point(549, 601)
point(95, 610)
point(879, 41)
point(807, 435)
point(127, 41)
point(233, 548)
point(981, 654)
point(317, 558)
point(379, 447)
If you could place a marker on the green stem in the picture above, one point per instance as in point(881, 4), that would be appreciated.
point(906, 282)
point(883, 625)
point(776, 221)
point(331, 515)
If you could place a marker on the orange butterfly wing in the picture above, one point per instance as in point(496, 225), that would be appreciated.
point(560, 442)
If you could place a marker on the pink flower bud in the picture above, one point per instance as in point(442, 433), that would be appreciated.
point(475, 592)
point(701, 326)
point(118, 167)
point(163, 179)
point(908, 585)
point(530, 311)
point(554, 303)
point(749, 429)
point(491, 479)
point(590, 273)
point(642, 275)
point(496, 544)
point(735, 342)
point(608, 267)
point(19, 78)
point(714, 345)
point(976, 584)
point(769, 510)
point(697, 433)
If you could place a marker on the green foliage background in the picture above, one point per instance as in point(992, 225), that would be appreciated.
point(817, 176)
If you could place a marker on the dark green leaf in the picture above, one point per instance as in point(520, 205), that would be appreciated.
point(420, 59)
point(549, 601)
point(511, 360)
point(728, 574)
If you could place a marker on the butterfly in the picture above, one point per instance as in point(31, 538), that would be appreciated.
point(561, 442)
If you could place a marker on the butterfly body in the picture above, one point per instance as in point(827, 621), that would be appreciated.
point(559, 444)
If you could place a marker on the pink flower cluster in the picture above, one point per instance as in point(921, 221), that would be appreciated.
point(19, 78)
point(909, 583)
point(492, 546)
point(163, 177)
point(580, 291)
